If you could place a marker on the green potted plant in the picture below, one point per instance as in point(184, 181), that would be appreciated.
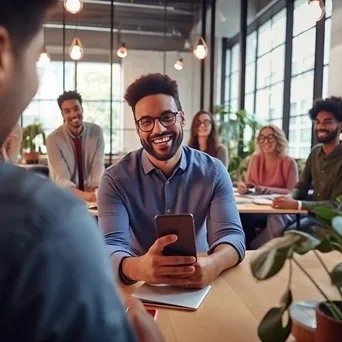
point(33, 140)
point(237, 131)
point(271, 258)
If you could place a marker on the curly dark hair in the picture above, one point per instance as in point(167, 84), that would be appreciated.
point(331, 104)
point(69, 95)
point(151, 84)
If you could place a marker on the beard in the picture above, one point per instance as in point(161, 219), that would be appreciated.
point(330, 137)
point(171, 151)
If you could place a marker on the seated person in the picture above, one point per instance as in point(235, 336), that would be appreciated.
point(76, 150)
point(270, 170)
point(204, 137)
point(165, 177)
point(10, 148)
point(323, 168)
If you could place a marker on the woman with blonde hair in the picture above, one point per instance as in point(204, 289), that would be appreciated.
point(270, 170)
point(204, 136)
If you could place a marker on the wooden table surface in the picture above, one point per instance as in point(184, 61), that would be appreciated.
point(237, 302)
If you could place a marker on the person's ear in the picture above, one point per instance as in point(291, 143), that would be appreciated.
point(7, 59)
point(183, 120)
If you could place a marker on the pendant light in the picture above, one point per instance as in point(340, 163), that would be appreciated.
point(201, 48)
point(44, 57)
point(76, 51)
point(73, 6)
point(316, 9)
point(122, 51)
point(179, 64)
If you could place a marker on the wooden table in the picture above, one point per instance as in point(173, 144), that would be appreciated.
point(237, 302)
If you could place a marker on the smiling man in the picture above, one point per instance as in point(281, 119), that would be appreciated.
point(323, 169)
point(76, 150)
point(165, 177)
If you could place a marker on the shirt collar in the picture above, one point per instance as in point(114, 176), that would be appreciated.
point(148, 166)
point(336, 153)
point(72, 135)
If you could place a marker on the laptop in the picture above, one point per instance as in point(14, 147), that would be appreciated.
point(162, 295)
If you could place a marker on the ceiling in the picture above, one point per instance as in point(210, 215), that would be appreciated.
point(142, 24)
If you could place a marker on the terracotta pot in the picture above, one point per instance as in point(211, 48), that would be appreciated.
point(328, 329)
point(31, 157)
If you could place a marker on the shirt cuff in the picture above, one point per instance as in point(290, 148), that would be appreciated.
point(299, 205)
point(239, 246)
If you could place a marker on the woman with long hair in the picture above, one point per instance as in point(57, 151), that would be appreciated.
point(204, 136)
point(270, 170)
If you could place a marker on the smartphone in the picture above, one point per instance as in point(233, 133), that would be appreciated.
point(181, 225)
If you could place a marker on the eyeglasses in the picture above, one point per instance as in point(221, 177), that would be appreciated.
point(270, 138)
point(205, 122)
point(167, 119)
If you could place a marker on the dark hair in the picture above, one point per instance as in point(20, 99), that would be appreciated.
point(22, 19)
point(331, 104)
point(69, 95)
point(151, 84)
point(213, 141)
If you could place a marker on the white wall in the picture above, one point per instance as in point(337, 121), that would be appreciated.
point(140, 62)
point(335, 67)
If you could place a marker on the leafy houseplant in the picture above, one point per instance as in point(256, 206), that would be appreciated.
point(271, 258)
point(233, 130)
point(30, 144)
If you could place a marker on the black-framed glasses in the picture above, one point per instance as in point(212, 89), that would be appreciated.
point(205, 122)
point(270, 138)
point(167, 119)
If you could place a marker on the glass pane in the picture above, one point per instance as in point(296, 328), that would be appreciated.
point(264, 71)
point(303, 55)
point(234, 93)
point(249, 103)
point(251, 47)
point(278, 64)
point(302, 93)
point(250, 78)
point(277, 122)
point(235, 57)
point(300, 132)
point(279, 28)
point(262, 104)
point(327, 39)
point(264, 38)
point(325, 81)
point(234, 105)
point(227, 90)
point(328, 8)
point(228, 53)
point(276, 101)
point(301, 18)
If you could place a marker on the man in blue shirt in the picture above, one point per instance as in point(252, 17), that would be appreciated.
point(166, 178)
point(56, 283)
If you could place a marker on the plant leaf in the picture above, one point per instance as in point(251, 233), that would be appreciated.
point(305, 243)
point(337, 224)
point(270, 258)
point(336, 275)
point(271, 327)
point(325, 215)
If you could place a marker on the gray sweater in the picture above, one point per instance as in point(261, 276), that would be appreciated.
point(61, 156)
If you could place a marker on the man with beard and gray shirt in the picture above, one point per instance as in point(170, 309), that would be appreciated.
point(323, 169)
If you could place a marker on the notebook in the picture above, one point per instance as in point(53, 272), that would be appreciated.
point(171, 297)
point(262, 201)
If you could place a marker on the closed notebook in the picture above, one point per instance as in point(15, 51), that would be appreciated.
point(171, 297)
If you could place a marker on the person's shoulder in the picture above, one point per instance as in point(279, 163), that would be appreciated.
point(127, 166)
point(56, 133)
point(288, 160)
point(201, 162)
point(316, 149)
point(222, 148)
point(93, 127)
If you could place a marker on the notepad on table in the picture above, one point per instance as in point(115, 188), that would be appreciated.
point(171, 297)
point(262, 201)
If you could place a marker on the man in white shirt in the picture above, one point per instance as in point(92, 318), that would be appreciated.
point(76, 150)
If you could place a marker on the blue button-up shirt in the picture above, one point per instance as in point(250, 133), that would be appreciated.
point(132, 192)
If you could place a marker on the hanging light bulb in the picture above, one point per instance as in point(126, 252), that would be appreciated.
point(76, 50)
point(201, 49)
point(44, 57)
point(316, 9)
point(122, 51)
point(73, 6)
point(187, 44)
point(179, 64)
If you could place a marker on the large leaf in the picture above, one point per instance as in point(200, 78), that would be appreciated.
point(336, 275)
point(270, 258)
point(337, 224)
point(325, 215)
point(271, 327)
point(305, 243)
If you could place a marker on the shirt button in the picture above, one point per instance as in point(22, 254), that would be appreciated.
point(168, 211)
point(167, 182)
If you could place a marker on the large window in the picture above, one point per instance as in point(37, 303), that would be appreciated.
point(93, 82)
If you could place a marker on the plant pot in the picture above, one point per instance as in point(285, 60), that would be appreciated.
point(328, 329)
point(31, 157)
